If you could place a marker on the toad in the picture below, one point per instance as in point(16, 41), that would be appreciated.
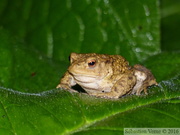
point(108, 76)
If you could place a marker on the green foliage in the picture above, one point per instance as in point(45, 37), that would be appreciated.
point(36, 38)
point(170, 20)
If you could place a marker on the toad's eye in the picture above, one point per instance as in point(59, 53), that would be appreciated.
point(91, 63)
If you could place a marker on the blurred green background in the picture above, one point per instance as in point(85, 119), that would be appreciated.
point(38, 36)
point(170, 20)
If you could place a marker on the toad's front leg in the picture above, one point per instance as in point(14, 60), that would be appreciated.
point(122, 87)
point(67, 82)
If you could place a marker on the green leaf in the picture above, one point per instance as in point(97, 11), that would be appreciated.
point(164, 65)
point(25, 69)
point(57, 28)
point(61, 112)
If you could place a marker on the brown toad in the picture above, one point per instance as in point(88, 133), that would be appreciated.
point(106, 75)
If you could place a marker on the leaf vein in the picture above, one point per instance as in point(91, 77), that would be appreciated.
point(12, 128)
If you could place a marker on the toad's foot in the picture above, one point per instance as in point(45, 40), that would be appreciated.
point(65, 87)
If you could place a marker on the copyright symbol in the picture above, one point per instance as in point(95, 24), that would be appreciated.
point(164, 131)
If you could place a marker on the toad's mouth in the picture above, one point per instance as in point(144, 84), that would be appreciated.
point(86, 78)
point(84, 74)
